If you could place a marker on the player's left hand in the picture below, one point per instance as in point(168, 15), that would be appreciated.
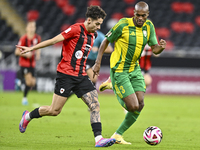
point(96, 69)
point(162, 43)
point(24, 49)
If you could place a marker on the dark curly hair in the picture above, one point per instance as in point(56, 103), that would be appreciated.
point(95, 12)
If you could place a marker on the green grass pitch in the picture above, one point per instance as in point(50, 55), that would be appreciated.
point(177, 116)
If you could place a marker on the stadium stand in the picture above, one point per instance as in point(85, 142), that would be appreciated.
point(176, 21)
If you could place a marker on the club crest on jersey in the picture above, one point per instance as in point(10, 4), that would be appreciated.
point(145, 33)
point(62, 90)
point(79, 54)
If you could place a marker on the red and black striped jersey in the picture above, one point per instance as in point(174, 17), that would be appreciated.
point(24, 41)
point(75, 50)
point(145, 60)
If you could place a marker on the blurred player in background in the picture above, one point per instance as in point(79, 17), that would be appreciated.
point(27, 61)
point(145, 64)
point(93, 55)
point(71, 73)
point(130, 36)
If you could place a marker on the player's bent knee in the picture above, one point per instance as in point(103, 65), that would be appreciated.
point(133, 108)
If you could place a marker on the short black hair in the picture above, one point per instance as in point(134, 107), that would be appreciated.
point(95, 12)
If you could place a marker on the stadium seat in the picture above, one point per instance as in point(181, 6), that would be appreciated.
point(64, 27)
point(130, 11)
point(163, 32)
point(94, 2)
point(117, 16)
point(130, 1)
point(61, 3)
point(177, 27)
point(176, 7)
point(188, 27)
point(188, 7)
point(197, 20)
point(182, 7)
point(69, 10)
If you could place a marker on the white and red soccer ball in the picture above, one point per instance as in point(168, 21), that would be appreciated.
point(152, 135)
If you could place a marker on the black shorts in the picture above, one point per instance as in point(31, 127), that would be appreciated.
point(89, 63)
point(144, 71)
point(66, 83)
point(25, 70)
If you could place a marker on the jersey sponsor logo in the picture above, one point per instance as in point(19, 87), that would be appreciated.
point(62, 90)
point(87, 47)
point(79, 54)
point(132, 33)
point(145, 33)
point(66, 31)
point(85, 57)
point(109, 34)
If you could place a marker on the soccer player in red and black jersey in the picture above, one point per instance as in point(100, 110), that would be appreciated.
point(77, 40)
point(145, 64)
point(27, 61)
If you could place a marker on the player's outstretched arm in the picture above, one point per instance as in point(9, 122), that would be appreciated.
point(158, 48)
point(43, 44)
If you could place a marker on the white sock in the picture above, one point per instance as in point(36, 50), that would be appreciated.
point(27, 117)
point(97, 138)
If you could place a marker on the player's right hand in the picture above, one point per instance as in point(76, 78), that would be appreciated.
point(96, 69)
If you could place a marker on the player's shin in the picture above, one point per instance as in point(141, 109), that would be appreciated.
point(35, 113)
point(130, 118)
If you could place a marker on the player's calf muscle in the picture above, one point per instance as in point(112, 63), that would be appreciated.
point(91, 100)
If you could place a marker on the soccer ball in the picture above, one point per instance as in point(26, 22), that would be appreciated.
point(152, 135)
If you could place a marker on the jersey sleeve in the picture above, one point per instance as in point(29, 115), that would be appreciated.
point(69, 33)
point(99, 39)
point(152, 38)
point(116, 31)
